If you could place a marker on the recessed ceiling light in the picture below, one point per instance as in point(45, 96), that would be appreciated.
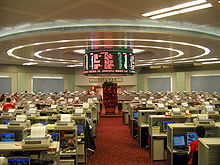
point(182, 11)
point(30, 63)
point(180, 6)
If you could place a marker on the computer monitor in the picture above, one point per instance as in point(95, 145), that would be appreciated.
point(8, 137)
point(179, 140)
point(165, 127)
point(55, 136)
point(19, 161)
point(135, 115)
point(191, 136)
point(80, 128)
point(6, 122)
point(44, 123)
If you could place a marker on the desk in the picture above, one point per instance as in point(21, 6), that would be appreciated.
point(178, 157)
point(158, 137)
point(66, 134)
point(143, 133)
point(143, 125)
point(158, 145)
point(19, 133)
point(125, 117)
point(12, 147)
point(209, 151)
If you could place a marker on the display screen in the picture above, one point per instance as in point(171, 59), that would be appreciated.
point(8, 137)
point(179, 141)
point(135, 115)
point(165, 124)
point(55, 136)
point(191, 136)
point(109, 61)
point(18, 161)
point(6, 122)
point(80, 128)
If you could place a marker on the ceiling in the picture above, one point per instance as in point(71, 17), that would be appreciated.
point(53, 32)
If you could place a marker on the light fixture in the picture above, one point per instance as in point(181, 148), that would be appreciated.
point(143, 64)
point(180, 6)
point(207, 59)
point(211, 62)
point(197, 64)
point(30, 63)
point(206, 51)
point(81, 51)
point(71, 66)
point(207, 5)
point(155, 67)
point(187, 61)
point(137, 50)
point(162, 63)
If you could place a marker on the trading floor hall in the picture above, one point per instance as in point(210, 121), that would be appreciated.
point(115, 146)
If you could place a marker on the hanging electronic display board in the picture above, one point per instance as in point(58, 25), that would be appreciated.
point(109, 61)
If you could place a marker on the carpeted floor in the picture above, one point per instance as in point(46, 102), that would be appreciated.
point(116, 147)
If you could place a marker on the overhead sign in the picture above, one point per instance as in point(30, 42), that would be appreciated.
point(109, 61)
point(93, 80)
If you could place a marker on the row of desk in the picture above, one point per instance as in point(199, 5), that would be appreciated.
point(69, 141)
point(146, 124)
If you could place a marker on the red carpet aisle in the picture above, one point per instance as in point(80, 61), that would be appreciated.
point(116, 147)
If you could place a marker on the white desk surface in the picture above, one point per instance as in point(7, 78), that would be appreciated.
point(210, 141)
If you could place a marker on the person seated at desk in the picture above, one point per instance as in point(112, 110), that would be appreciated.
point(193, 146)
point(15, 97)
point(8, 105)
point(2, 96)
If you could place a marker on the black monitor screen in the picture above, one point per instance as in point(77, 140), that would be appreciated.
point(18, 161)
point(165, 124)
point(135, 115)
point(191, 136)
point(8, 137)
point(179, 140)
